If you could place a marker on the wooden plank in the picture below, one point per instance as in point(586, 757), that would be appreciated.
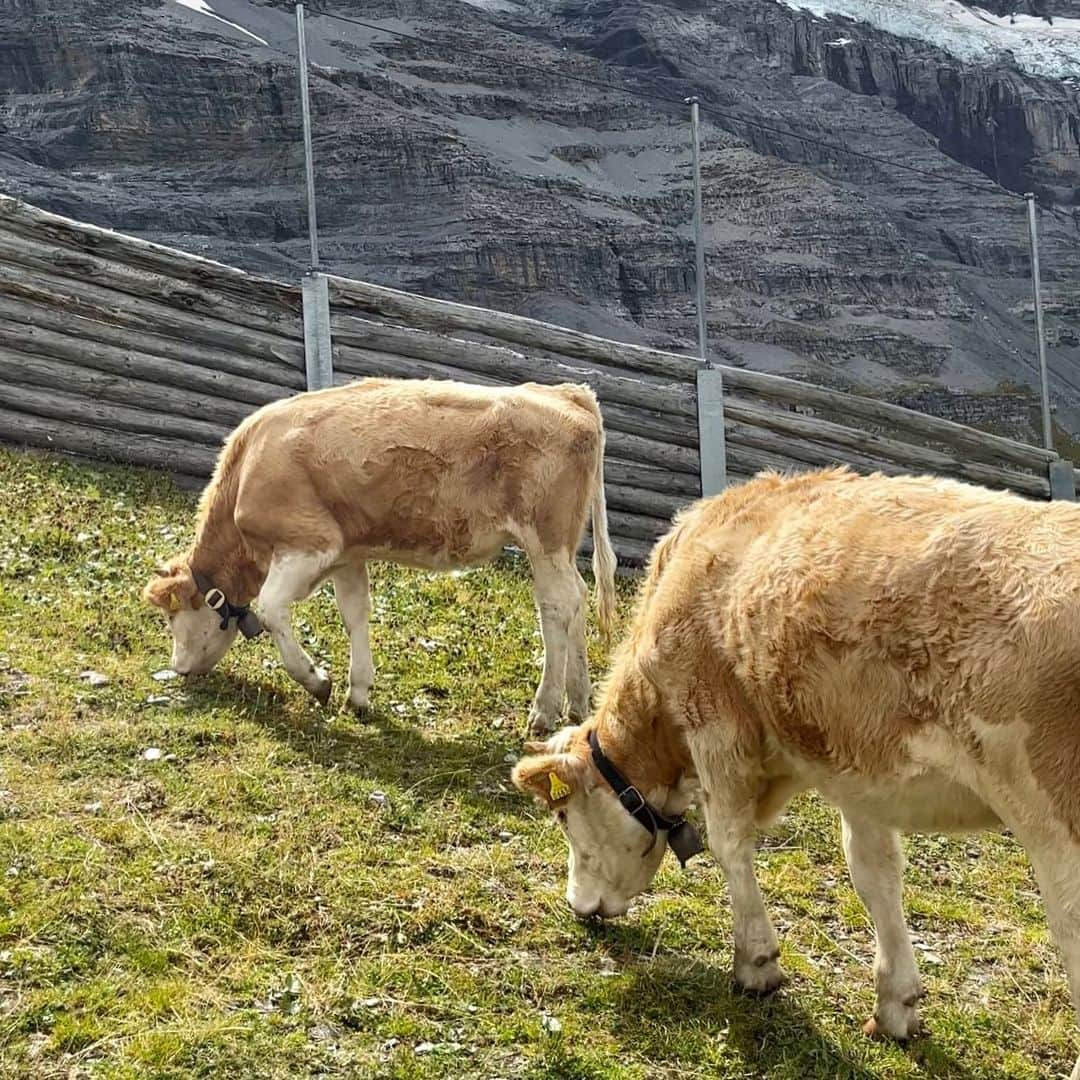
point(814, 439)
point(350, 362)
point(76, 236)
point(102, 444)
point(442, 316)
point(130, 362)
point(29, 370)
point(97, 304)
point(637, 526)
point(640, 501)
point(60, 405)
point(978, 445)
point(649, 478)
point(241, 309)
point(82, 329)
point(508, 365)
point(628, 550)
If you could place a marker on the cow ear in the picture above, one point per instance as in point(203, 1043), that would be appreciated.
point(549, 778)
point(171, 589)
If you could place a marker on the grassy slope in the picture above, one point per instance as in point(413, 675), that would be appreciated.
point(154, 915)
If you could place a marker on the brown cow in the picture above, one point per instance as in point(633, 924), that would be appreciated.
point(908, 647)
point(429, 474)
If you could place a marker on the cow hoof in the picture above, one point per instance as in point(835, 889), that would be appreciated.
point(899, 1029)
point(321, 690)
point(540, 723)
point(760, 978)
point(358, 704)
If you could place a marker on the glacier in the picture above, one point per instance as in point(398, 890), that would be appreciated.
point(971, 34)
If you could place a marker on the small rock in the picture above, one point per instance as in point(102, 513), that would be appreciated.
point(378, 798)
point(94, 678)
point(505, 836)
point(164, 675)
point(151, 753)
point(551, 1024)
point(158, 699)
point(92, 808)
point(424, 1048)
point(510, 759)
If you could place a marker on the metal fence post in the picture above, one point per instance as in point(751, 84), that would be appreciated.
point(1040, 334)
point(1062, 481)
point(710, 383)
point(318, 347)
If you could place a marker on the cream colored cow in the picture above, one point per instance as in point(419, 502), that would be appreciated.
point(429, 474)
point(908, 647)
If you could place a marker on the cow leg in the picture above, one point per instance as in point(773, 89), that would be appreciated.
point(1057, 869)
point(578, 687)
point(730, 821)
point(353, 596)
point(291, 578)
point(876, 862)
point(554, 580)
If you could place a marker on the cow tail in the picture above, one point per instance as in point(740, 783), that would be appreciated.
point(603, 556)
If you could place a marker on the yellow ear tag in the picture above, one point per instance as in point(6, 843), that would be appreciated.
point(559, 788)
point(174, 604)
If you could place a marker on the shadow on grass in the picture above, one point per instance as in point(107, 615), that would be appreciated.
point(672, 997)
point(379, 747)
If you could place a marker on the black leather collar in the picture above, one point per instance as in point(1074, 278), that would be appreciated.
point(682, 837)
point(246, 620)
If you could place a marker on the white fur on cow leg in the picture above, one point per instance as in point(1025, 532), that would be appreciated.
point(876, 863)
point(555, 582)
point(730, 823)
point(294, 577)
point(578, 687)
point(1056, 859)
point(353, 594)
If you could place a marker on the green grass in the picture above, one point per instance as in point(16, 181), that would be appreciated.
point(246, 906)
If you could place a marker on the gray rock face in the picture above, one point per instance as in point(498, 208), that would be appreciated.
point(475, 169)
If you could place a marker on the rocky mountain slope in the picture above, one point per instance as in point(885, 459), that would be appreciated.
point(472, 166)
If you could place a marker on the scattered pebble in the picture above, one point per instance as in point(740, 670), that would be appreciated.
point(158, 699)
point(505, 836)
point(164, 675)
point(151, 753)
point(379, 798)
point(424, 1048)
point(551, 1024)
point(92, 808)
point(510, 759)
point(94, 678)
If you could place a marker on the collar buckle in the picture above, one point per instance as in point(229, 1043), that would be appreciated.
point(632, 800)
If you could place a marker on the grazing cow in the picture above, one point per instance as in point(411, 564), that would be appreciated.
point(425, 473)
point(908, 647)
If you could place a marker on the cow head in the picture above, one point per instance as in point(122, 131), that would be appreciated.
point(612, 857)
point(198, 640)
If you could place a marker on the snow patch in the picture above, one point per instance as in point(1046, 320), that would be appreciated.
point(203, 8)
point(971, 34)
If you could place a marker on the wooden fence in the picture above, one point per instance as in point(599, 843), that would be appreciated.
point(118, 349)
